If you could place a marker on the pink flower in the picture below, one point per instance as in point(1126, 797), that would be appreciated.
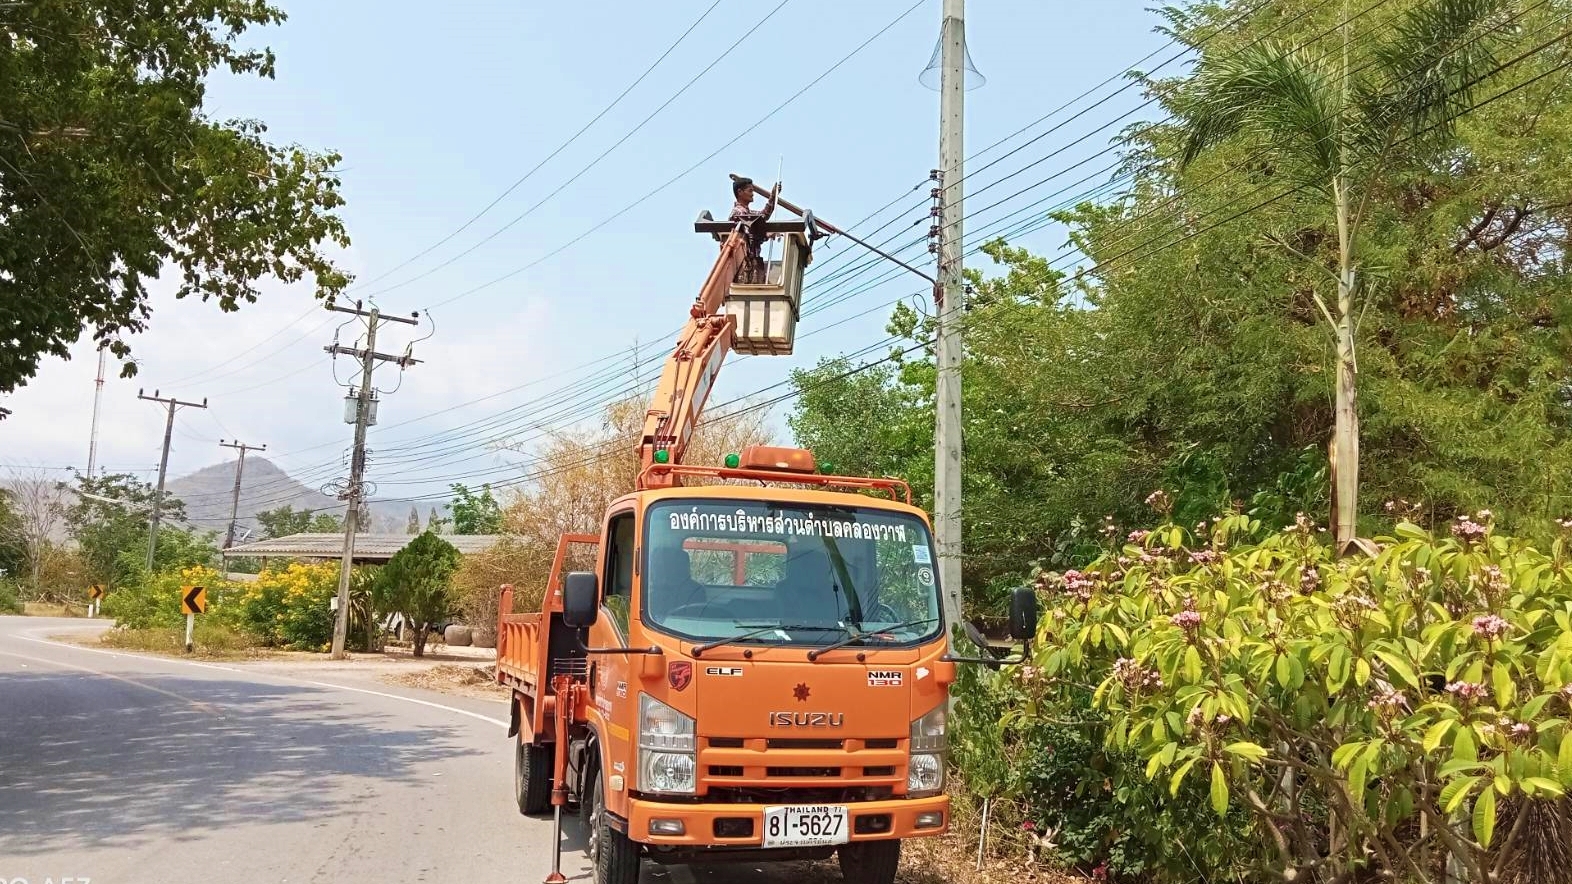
point(1159, 500)
point(1187, 620)
point(1204, 556)
point(1521, 730)
point(1309, 579)
point(1468, 530)
point(1490, 627)
point(1079, 585)
point(1466, 690)
point(1138, 537)
point(1028, 826)
point(1136, 677)
point(1387, 700)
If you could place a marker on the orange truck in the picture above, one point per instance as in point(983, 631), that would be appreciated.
point(756, 668)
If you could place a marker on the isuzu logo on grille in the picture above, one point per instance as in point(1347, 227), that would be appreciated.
point(807, 719)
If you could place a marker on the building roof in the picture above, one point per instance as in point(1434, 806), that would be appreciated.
point(368, 547)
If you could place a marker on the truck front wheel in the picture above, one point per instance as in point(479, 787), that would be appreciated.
point(870, 862)
point(532, 777)
point(613, 855)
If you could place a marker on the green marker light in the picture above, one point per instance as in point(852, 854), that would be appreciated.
point(662, 456)
point(733, 461)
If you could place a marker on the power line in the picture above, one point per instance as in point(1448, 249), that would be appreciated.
point(1122, 256)
point(592, 163)
point(691, 169)
point(559, 149)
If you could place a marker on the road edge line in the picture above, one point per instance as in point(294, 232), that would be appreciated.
point(326, 684)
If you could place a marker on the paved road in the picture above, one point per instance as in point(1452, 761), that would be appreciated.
point(124, 769)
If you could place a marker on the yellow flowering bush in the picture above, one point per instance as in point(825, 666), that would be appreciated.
point(288, 607)
point(156, 602)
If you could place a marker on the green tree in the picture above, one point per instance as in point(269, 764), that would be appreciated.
point(13, 553)
point(417, 584)
point(858, 419)
point(286, 520)
point(475, 513)
point(435, 522)
point(111, 170)
point(1341, 123)
point(109, 522)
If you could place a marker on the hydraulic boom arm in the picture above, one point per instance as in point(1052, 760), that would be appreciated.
point(690, 372)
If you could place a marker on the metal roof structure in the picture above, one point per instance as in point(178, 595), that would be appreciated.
point(369, 548)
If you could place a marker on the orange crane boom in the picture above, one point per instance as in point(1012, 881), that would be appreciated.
point(689, 373)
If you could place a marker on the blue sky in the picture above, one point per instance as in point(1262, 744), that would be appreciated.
point(438, 108)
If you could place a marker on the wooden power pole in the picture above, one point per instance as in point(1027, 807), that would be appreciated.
point(354, 491)
point(163, 468)
point(240, 468)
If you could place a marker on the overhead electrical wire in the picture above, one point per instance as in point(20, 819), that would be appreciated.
point(1104, 265)
point(553, 155)
point(659, 356)
point(596, 161)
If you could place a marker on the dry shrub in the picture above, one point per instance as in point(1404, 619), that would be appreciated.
point(579, 473)
point(1546, 855)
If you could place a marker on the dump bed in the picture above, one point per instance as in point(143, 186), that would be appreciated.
point(534, 646)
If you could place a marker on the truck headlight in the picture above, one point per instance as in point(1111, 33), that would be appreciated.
point(925, 767)
point(666, 746)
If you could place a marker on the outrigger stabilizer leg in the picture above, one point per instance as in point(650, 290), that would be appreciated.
point(563, 700)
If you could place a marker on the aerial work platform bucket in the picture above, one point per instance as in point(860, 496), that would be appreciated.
point(767, 314)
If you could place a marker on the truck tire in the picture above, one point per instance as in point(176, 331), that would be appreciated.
point(532, 777)
point(613, 856)
point(870, 862)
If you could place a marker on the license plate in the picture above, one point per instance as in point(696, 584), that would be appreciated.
point(805, 825)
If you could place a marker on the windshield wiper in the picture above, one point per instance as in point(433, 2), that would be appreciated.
point(698, 650)
point(853, 602)
point(857, 635)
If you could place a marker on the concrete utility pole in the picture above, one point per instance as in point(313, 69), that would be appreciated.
point(240, 468)
point(947, 351)
point(354, 492)
point(92, 434)
point(163, 468)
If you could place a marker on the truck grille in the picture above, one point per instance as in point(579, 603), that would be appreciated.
point(789, 743)
point(802, 772)
point(798, 795)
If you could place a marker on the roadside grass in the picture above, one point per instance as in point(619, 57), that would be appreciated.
point(469, 681)
point(50, 609)
point(212, 641)
point(951, 858)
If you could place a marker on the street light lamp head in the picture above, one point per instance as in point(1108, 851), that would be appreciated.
point(932, 76)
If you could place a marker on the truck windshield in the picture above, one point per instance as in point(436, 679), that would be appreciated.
point(731, 569)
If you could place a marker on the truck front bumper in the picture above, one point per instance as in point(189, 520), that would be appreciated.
point(741, 825)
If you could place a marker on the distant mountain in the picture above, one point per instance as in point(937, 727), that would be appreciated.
point(208, 492)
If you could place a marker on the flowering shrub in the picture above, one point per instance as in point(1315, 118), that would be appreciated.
point(155, 602)
point(289, 607)
point(1368, 713)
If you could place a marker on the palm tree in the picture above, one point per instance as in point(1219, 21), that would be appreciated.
point(1338, 126)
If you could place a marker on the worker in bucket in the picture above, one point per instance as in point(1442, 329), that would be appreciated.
point(752, 271)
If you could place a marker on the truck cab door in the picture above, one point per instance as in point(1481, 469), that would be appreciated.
point(611, 685)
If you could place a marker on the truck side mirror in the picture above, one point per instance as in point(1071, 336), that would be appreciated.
point(1023, 614)
point(580, 599)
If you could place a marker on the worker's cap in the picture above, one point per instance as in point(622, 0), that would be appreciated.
point(742, 186)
